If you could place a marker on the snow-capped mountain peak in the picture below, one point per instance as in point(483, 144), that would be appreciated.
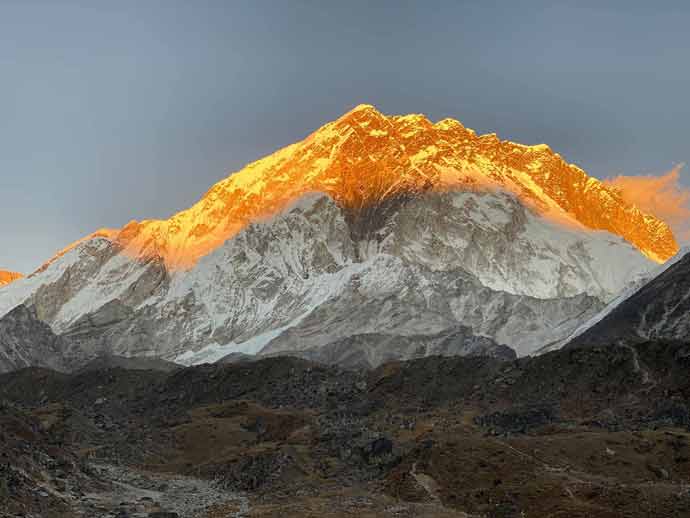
point(365, 157)
point(372, 227)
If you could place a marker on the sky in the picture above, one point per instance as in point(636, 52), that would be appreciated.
point(113, 111)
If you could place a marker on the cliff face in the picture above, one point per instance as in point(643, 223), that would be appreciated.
point(366, 158)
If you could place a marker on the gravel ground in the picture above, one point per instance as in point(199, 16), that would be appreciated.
point(137, 494)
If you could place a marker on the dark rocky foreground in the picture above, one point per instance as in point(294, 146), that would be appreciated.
point(596, 432)
point(659, 309)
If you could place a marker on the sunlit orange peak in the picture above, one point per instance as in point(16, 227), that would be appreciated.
point(365, 156)
point(8, 277)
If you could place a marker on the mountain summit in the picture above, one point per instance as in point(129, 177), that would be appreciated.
point(364, 158)
point(375, 238)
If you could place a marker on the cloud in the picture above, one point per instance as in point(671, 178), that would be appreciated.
point(662, 196)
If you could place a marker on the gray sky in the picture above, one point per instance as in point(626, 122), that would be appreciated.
point(112, 111)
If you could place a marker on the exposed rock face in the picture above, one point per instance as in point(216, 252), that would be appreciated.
point(658, 310)
point(373, 349)
point(26, 341)
point(8, 277)
point(417, 229)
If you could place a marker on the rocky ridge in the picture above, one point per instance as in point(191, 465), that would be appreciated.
point(657, 310)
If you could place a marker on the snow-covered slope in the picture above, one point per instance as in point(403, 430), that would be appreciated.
point(303, 279)
point(371, 226)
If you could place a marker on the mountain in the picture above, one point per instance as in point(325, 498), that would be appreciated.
point(657, 310)
point(373, 226)
point(8, 277)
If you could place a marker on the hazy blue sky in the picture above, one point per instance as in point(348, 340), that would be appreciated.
point(117, 110)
